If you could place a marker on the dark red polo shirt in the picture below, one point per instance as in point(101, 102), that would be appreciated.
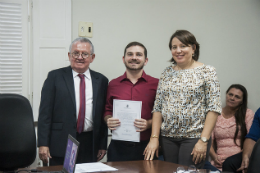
point(143, 90)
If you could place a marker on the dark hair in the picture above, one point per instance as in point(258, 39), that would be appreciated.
point(186, 38)
point(136, 44)
point(240, 114)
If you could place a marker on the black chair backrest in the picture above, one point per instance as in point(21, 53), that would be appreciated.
point(17, 133)
point(254, 161)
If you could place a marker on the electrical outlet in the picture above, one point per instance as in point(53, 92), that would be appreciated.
point(85, 29)
point(89, 29)
point(82, 29)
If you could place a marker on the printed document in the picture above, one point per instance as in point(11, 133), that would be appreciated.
point(93, 167)
point(126, 111)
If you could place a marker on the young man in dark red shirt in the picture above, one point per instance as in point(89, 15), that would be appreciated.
point(134, 85)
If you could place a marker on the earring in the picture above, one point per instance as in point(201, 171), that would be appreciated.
point(192, 55)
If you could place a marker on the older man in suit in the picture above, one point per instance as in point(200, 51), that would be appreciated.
point(72, 102)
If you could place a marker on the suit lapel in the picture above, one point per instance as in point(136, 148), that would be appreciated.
point(95, 84)
point(68, 77)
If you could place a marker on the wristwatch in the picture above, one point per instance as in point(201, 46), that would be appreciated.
point(204, 139)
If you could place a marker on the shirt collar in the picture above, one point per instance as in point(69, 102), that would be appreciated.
point(86, 73)
point(124, 77)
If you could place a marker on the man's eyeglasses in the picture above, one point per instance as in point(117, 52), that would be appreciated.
point(77, 55)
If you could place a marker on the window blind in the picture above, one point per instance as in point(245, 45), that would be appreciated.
point(10, 48)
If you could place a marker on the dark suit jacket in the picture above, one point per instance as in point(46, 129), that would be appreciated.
point(57, 113)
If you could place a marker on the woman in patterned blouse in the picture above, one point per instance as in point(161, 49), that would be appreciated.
point(187, 105)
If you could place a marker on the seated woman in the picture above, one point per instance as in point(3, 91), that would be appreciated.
point(232, 126)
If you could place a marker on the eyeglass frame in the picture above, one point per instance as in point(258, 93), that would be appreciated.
point(81, 54)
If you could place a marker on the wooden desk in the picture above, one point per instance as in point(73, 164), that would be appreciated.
point(142, 166)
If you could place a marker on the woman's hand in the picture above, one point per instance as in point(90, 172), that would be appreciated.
point(153, 145)
point(217, 159)
point(151, 149)
point(199, 152)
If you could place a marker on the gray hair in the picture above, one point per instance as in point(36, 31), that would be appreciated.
point(82, 40)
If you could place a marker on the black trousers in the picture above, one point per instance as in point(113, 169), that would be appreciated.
point(232, 163)
point(178, 151)
point(85, 153)
point(126, 151)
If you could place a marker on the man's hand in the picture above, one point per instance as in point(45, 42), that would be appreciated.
point(244, 164)
point(44, 153)
point(112, 123)
point(101, 154)
point(142, 124)
point(247, 151)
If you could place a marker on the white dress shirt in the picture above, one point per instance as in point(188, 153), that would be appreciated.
point(88, 125)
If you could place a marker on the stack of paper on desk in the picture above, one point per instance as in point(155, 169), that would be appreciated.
point(93, 167)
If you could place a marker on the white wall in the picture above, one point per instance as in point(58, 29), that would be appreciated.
point(227, 30)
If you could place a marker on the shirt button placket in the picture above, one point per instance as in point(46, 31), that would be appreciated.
point(132, 92)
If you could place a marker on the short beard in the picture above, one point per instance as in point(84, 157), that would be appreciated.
point(134, 69)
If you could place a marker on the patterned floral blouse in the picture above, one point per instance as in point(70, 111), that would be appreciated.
point(184, 98)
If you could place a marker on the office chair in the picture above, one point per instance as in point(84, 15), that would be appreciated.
point(17, 133)
point(254, 166)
